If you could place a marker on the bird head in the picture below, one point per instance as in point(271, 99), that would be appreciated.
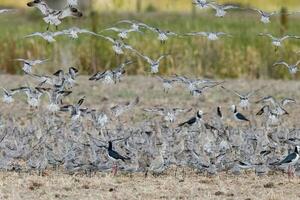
point(233, 108)
point(33, 3)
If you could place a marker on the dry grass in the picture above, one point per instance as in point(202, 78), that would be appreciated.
point(105, 186)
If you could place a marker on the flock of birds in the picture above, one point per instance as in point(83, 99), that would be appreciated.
point(93, 140)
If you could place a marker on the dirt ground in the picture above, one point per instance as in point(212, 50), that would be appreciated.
point(104, 186)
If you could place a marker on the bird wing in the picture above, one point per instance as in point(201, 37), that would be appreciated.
point(288, 159)
point(34, 34)
point(281, 63)
point(286, 101)
point(107, 38)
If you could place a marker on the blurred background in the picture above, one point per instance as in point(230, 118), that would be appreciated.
point(243, 56)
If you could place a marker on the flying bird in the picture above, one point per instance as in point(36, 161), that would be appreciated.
point(28, 64)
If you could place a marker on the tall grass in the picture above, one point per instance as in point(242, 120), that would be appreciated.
point(243, 55)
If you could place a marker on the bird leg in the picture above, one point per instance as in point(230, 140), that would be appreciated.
point(114, 169)
point(48, 27)
point(289, 172)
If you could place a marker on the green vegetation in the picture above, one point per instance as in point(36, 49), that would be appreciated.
point(168, 5)
point(243, 55)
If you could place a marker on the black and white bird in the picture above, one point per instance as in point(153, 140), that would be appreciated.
point(290, 160)
point(167, 83)
point(55, 17)
point(202, 4)
point(28, 64)
point(210, 35)
point(74, 32)
point(163, 35)
point(154, 63)
point(277, 41)
point(117, 45)
point(194, 120)
point(8, 96)
point(168, 114)
point(122, 33)
point(48, 36)
point(221, 10)
point(265, 16)
point(244, 98)
point(115, 156)
point(238, 116)
point(137, 26)
point(75, 110)
point(293, 68)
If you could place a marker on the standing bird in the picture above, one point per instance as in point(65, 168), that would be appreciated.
point(193, 120)
point(238, 116)
point(290, 160)
point(115, 156)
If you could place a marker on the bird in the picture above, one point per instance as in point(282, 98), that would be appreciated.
point(54, 17)
point(277, 42)
point(118, 45)
point(154, 64)
point(238, 116)
point(75, 110)
point(163, 35)
point(290, 160)
point(48, 36)
point(244, 98)
point(168, 114)
point(278, 108)
point(167, 83)
point(115, 156)
point(265, 16)
point(120, 109)
point(210, 35)
point(221, 9)
point(272, 118)
point(55, 98)
point(197, 118)
point(33, 95)
point(111, 76)
point(293, 68)
point(8, 96)
point(106, 76)
point(122, 33)
point(134, 24)
point(74, 31)
point(28, 64)
point(202, 4)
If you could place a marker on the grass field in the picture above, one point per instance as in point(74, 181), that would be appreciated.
point(243, 55)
